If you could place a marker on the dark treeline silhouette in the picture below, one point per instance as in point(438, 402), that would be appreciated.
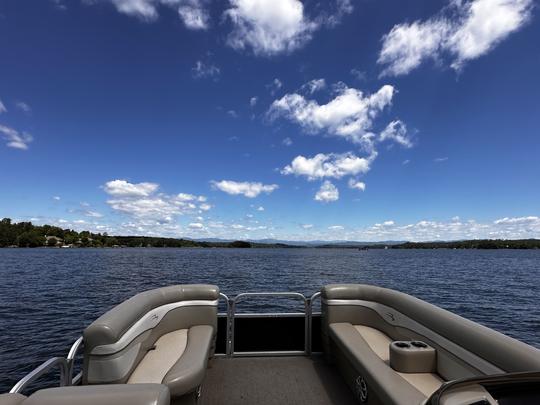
point(25, 234)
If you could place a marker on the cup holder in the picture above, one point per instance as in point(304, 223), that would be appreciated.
point(412, 356)
point(418, 344)
point(404, 345)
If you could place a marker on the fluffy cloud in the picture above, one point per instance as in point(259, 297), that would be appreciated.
point(357, 185)
point(314, 85)
point(260, 208)
point(202, 70)
point(15, 139)
point(122, 188)
point(194, 15)
point(331, 165)
point(146, 205)
point(464, 30)
point(269, 27)
point(327, 193)
point(21, 105)
point(247, 189)
point(287, 141)
point(192, 12)
point(350, 114)
point(336, 228)
point(253, 101)
point(397, 132)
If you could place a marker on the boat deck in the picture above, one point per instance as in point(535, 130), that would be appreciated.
point(274, 381)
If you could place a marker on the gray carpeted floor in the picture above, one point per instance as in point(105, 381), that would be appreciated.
point(274, 380)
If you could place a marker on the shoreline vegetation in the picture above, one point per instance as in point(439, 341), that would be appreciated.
point(27, 235)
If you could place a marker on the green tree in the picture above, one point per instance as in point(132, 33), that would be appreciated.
point(30, 239)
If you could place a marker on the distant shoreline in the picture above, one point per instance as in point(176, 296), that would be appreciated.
point(27, 235)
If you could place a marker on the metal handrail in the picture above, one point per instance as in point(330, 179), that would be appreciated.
point(71, 362)
point(228, 331)
point(243, 296)
point(310, 322)
point(41, 370)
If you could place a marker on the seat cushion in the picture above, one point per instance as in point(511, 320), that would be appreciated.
point(188, 373)
point(372, 363)
point(379, 342)
point(179, 360)
point(11, 399)
point(156, 364)
point(111, 394)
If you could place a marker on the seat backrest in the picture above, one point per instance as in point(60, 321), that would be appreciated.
point(403, 317)
point(116, 342)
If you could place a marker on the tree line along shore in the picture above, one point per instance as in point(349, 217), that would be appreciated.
point(25, 234)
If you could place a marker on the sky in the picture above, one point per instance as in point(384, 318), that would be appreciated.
point(361, 120)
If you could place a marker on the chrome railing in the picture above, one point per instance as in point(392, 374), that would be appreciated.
point(71, 362)
point(244, 296)
point(43, 369)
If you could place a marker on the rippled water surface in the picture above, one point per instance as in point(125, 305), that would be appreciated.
point(48, 296)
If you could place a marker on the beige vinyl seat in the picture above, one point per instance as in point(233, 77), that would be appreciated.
point(359, 322)
point(163, 336)
point(142, 394)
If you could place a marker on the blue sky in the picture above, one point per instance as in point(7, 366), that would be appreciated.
point(358, 120)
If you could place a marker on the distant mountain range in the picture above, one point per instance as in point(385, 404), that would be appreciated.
point(270, 241)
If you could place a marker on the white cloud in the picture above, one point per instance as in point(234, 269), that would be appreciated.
point(56, 198)
point(358, 74)
point(350, 114)
point(93, 214)
point(122, 188)
point(205, 207)
point(531, 220)
point(465, 30)
point(327, 193)
point(307, 226)
point(15, 139)
point(274, 86)
point(202, 70)
point(336, 228)
point(3, 108)
point(397, 132)
point(193, 13)
point(357, 185)
point(330, 165)
point(269, 27)
point(21, 105)
point(440, 159)
point(247, 189)
point(232, 113)
point(260, 208)
point(314, 85)
point(148, 207)
point(196, 225)
point(253, 101)
point(287, 141)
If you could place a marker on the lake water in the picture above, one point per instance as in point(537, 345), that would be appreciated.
point(48, 296)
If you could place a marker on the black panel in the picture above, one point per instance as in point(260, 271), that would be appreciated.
point(269, 334)
point(221, 340)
